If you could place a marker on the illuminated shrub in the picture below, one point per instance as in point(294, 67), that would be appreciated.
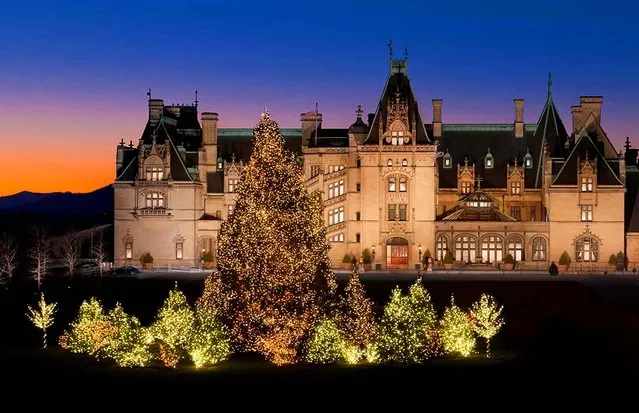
point(356, 319)
point(486, 318)
point(90, 332)
point(127, 346)
point(209, 342)
point(175, 322)
point(326, 344)
point(457, 331)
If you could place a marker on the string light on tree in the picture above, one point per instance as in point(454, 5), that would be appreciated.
point(174, 325)
point(42, 317)
point(209, 342)
point(90, 332)
point(457, 331)
point(356, 319)
point(127, 346)
point(326, 344)
point(274, 269)
point(486, 318)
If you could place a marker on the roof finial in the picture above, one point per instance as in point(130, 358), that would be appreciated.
point(390, 49)
point(479, 179)
point(627, 145)
point(196, 101)
point(149, 93)
point(405, 53)
point(549, 85)
point(359, 111)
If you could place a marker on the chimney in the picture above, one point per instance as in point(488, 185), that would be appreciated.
point(437, 118)
point(577, 118)
point(209, 128)
point(591, 104)
point(119, 157)
point(310, 121)
point(174, 110)
point(156, 106)
point(519, 118)
point(371, 118)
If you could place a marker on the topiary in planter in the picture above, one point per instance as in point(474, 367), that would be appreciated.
point(621, 261)
point(564, 259)
point(147, 260)
point(207, 257)
point(509, 262)
point(367, 258)
point(427, 255)
point(347, 259)
point(448, 260)
point(612, 261)
point(552, 269)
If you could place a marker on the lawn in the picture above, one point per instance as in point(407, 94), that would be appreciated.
point(547, 325)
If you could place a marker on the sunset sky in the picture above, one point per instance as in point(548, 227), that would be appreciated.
point(74, 76)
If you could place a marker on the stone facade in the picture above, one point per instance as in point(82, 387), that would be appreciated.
point(393, 185)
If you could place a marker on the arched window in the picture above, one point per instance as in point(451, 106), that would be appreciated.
point(516, 247)
point(154, 200)
point(154, 168)
point(391, 184)
point(341, 188)
point(330, 191)
point(465, 248)
point(389, 162)
point(441, 247)
point(539, 248)
point(405, 162)
point(402, 184)
point(492, 248)
point(587, 249)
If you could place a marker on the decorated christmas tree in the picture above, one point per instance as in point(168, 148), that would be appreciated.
point(173, 328)
point(457, 331)
point(90, 332)
point(486, 318)
point(326, 344)
point(273, 262)
point(356, 319)
point(209, 342)
point(127, 345)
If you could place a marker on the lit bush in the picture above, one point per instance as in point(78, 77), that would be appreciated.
point(457, 331)
point(90, 332)
point(174, 326)
point(326, 344)
point(209, 341)
point(127, 346)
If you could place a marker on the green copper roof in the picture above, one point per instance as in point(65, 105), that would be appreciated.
point(484, 127)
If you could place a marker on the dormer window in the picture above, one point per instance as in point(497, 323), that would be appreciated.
point(389, 162)
point(154, 173)
point(528, 160)
point(397, 137)
point(489, 161)
point(448, 160)
point(405, 162)
point(220, 164)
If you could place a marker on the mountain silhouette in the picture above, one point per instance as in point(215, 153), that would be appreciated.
point(98, 202)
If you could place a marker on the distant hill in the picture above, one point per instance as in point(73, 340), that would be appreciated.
point(98, 202)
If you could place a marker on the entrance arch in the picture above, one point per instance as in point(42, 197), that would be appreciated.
point(397, 253)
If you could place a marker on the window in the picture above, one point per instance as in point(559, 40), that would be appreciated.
point(539, 248)
point(315, 170)
point(391, 184)
point(331, 194)
point(331, 220)
point(358, 187)
point(128, 250)
point(154, 200)
point(465, 248)
point(402, 212)
point(515, 212)
point(179, 250)
point(358, 216)
point(441, 247)
point(448, 160)
point(528, 160)
point(335, 216)
point(492, 249)
point(389, 162)
point(397, 137)
point(489, 161)
point(231, 209)
point(341, 214)
point(359, 163)
point(337, 238)
point(391, 212)
point(232, 185)
point(533, 213)
point(465, 186)
point(586, 213)
point(586, 184)
point(516, 247)
point(154, 173)
point(587, 249)
point(402, 184)
point(331, 168)
point(405, 162)
point(515, 188)
point(357, 237)
point(341, 188)
point(220, 164)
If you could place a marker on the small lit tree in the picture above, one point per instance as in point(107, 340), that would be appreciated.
point(70, 253)
point(213, 298)
point(326, 344)
point(457, 331)
point(486, 318)
point(90, 332)
point(209, 342)
point(127, 346)
point(399, 339)
point(423, 315)
point(99, 252)
point(39, 253)
point(174, 323)
point(356, 319)
point(8, 258)
point(42, 317)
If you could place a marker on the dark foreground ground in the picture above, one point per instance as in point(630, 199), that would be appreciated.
point(559, 332)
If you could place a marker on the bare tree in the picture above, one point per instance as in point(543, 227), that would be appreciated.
point(8, 258)
point(70, 253)
point(39, 253)
point(99, 252)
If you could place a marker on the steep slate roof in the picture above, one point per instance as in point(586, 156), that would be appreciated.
point(329, 138)
point(473, 140)
point(466, 212)
point(568, 173)
point(215, 182)
point(129, 165)
point(238, 141)
point(550, 130)
point(397, 82)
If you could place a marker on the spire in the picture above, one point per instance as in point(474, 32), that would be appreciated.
point(627, 145)
point(149, 94)
point(196, 101)
point(359, 111)
point(405, 53)
point(550, 85)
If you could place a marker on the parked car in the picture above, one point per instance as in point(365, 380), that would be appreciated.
point(126, 271)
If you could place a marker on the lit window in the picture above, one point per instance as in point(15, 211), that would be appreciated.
point(402, 212)
point(528, 161)
point(220, 164)
point(533, 213)
point(391, 212)
point(315, 170)
point(516, 247)
point(586, 213)
point(341, 237)
point(402, 184)
point(154, 200)
point(389, 162)
point(341, 187)
point(331, 194)
point(586, 249)
point(340, 168)
point(128, 250)
point(394, 138)
point(154, 173)
point(405, 162)
point(232, 185)
point(586, 184)
point(391, 184)
point(400, 139)
point(539, 249)
point(465, 187)
point(442, 247)
point(448, 160)
point(341, 214)
point(515, 188)
point(179, 250)
point(330, 217)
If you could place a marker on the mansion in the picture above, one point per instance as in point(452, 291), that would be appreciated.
point(393, 184)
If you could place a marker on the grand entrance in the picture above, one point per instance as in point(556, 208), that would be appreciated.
point(396, 253)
